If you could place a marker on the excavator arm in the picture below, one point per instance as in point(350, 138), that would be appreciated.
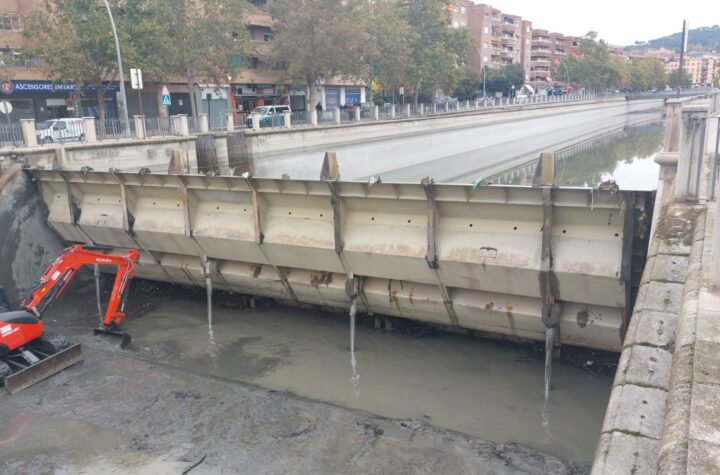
point(56, 278)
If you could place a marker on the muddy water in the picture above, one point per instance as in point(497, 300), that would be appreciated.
point(483, 388)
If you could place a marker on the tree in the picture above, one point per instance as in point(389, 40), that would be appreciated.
point(75, 42)
point(675, 80)
point(439, 56)
point(315, 39)
point(594, 67)
point(389, 47)
point(200, 41)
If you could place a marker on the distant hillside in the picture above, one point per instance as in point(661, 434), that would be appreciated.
point(700, 39)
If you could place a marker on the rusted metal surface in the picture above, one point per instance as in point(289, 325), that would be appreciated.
point(447, 254)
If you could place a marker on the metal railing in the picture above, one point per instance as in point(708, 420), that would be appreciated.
point(11, 135)
point(114, 129)
point(158, 126)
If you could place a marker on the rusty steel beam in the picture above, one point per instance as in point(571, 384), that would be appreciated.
point(444, 254)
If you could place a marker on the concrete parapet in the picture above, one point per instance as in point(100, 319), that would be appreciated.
point(692, 151)
point(29, 132)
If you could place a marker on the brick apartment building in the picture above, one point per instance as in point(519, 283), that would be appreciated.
point(32, 95)
point(502, 38)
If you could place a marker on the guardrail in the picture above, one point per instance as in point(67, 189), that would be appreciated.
point(488, 258)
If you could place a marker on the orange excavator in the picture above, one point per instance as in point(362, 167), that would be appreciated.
point(28, 354)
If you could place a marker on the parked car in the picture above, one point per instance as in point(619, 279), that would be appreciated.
point(270, 116)
point(60, 130)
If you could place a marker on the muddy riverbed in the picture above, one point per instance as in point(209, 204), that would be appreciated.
point(180, 392)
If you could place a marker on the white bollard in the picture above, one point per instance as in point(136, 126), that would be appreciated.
point(392, 111)
point(376, 113)
point(422, 109)
point(338, 119)
point(139, 127)
point(231, 122)
point(90, 131)
point(287, 120)
point(29, 132)
point(204, 123)
point(408, 111)
point(447, 106)
point(358, 114)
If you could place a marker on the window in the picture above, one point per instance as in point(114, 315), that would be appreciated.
point(462, 10)
point(486, 30)
point(268, 36)
point(10, 22)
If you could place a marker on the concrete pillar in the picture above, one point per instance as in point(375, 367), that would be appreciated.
point(392, 111)
point(467, 105)
point(673, 124)
point(183, 126)
point(29, 132)
point(376, 113)
point(89, 130)
point(422, 109)
point(230, 124)
point(139, 126)
point(447, 106)
point(256, 121)
point(408, 110)
point(338, 119)
point(358, 114)
point(204, 123)
point(692, 152)
point(287, 119)
point(434, 108)
point(313, 118)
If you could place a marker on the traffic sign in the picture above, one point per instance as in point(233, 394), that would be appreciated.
point(166, 96)
point(5, 107)
point(136, 81)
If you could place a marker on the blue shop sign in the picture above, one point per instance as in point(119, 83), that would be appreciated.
point(50, 86)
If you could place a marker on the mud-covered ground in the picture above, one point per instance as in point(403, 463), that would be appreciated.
point(126, 411)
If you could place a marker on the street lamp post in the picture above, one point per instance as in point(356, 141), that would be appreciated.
point(120, 68)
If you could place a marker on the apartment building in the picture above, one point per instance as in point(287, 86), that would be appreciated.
point(497, 35)
point(26, 86)
point(703, 69)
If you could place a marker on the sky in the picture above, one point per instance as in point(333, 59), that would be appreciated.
point(619, 22)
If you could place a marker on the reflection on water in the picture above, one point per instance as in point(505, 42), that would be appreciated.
point(626, 156)
point(484, 388)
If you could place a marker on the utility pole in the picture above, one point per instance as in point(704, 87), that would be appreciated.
point(120, 68)
point(683, 47)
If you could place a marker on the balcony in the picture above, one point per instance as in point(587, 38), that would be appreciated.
point(540, 39)
point(540, 51)
point(510, 28)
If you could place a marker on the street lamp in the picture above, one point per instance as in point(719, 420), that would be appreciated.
point(120, 68)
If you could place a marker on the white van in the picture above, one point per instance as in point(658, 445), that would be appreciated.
point(60, 130)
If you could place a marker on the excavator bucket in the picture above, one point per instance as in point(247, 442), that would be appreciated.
point(48, 365)
point(125, 339)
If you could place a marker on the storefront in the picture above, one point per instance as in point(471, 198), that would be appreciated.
point(44, 100)
point(250, 96)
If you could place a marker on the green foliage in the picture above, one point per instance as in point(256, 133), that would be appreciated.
point(317, 38)
point(439, 53)
point(595, 68)
point(389, 47)
point(675, 79)
point(496, 80)
point(700, 39)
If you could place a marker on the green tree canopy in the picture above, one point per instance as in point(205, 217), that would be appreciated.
point(316, 39)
